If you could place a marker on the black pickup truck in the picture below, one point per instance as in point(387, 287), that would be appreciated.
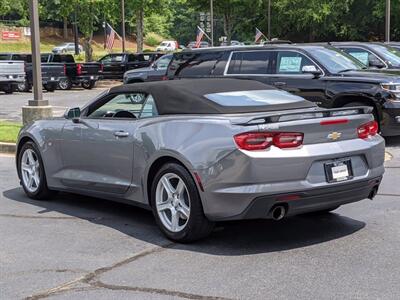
point(84, 74)
point(318, 73)
point(52, 73)
point(116, 64)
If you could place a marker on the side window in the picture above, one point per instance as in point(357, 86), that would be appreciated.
point(57, 58)
point(127, 105)
point(106, 59)
point(290, 62)
point(196, 64)
point(149, 109)
point(132, 58)
point(163, 62)
point(251, 62)
point(360, 54)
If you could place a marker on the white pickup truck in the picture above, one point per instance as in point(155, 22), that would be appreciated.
point(11, 73)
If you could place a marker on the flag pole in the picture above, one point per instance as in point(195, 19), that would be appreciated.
point(123, 24)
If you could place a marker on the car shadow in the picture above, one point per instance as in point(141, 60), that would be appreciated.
point(392, 141)
point(228, 239)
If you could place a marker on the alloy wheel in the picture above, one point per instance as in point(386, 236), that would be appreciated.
point(172, 202)
point(30, 170)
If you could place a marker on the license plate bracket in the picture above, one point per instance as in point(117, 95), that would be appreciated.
point(338, 170)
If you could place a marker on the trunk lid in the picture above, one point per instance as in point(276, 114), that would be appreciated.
point(317, 125)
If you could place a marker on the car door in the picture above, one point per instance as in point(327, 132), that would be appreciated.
point(288, 75)
point(98, 148)
point(113, 65)
point(250, 64)
point(159, 68)
point(365, 56)
point(71, 48)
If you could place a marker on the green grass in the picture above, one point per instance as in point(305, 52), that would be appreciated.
point(9, 131)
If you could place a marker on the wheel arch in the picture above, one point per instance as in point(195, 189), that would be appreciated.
point(156, 165)
point(344, 99)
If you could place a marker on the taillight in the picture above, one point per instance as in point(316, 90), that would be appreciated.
point(65, 69)
point(165, 78)
point(79, 69)
point(368, 130)
point(253, 141)
point(288, 140)
point(101, 67)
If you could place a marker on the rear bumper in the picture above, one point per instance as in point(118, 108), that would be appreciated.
point(87, 78)
point(312, 200)
point(238, 181)
point(11, 79)
point(52, 79)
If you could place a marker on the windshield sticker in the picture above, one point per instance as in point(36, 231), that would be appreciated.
point(290, 64)
point(361, 56)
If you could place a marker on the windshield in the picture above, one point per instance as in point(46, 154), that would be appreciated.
point(163, 62)
point(388, 53)
point(253, 98)
point(4, 57)
point(164, 44)
point(335, 61)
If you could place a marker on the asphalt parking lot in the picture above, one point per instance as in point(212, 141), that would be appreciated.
point(76, 247)
point(11, 104)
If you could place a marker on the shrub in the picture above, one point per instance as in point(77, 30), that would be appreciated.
point(153, 39)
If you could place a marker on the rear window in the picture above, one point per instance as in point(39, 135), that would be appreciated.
point(195, 64)
point(253, 98)
point(249, 62)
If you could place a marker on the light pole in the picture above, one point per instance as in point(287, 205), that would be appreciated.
point(387, 25)
point(123, 24)
point(36, 108)
point(269, 19)
point(212, 22)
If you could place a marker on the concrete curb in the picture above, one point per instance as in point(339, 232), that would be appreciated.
point(8, 148)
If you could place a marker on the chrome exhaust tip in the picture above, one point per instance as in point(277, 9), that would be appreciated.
point(278, 212)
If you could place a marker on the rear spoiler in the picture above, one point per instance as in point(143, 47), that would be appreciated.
point(305, 115)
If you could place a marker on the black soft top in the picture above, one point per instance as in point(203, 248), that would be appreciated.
point(187, 96)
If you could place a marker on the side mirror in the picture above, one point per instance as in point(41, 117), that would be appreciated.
point(73, 113)
point(375, 63)
point(311, 70)
point(154, 66)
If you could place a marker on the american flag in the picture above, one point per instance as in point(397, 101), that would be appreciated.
point(259, 35)
point(199, 36)
point(111, 33)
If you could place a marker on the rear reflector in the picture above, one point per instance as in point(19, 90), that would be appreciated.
point(334, 122)
point(368, 130)
point(79, 69)
point(253, 141)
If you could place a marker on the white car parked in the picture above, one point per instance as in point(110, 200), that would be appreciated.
point(167, 46)
point(66, 48)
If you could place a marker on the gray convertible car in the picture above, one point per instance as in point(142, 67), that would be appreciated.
point(205, 150)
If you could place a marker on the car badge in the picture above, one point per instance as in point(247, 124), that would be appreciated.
point(334, 136)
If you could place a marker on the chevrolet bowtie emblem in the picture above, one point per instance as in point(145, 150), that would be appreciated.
point(334, 136)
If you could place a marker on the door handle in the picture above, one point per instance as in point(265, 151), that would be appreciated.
point(279, 83)
point(121, 134)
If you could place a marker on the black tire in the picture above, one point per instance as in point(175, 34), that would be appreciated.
point(50, 87)
point(9, 89)
point(42, 192)
point(65, 84)
point(197, 226)
point(355, 104)
point(88, 84)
